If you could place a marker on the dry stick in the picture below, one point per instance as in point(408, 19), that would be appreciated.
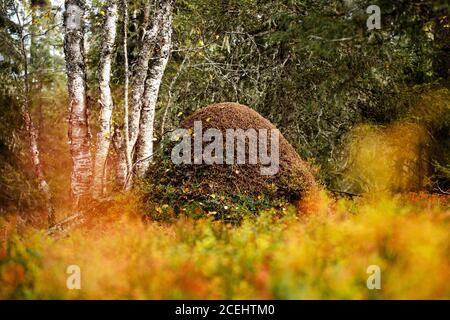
point(350, 194)
point(131, 174)
point(169, 100)
point(442, 191)
point(63, 227)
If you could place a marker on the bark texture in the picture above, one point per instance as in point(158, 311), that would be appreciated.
point(144, 146)
point(121, 161)
point(106, 101)
point(34, 151)
point(141, 69)
point(79, 134)
point(126, 127)
point(32, 132)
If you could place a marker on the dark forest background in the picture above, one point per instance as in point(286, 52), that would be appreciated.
point(311, 67)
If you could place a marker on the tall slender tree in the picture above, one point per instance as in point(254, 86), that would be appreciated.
point(126, 126)
point(141, 69)
point(144, 147)
point(30, 128)
point(79, 133)
point(39, 54)
point(106, 100)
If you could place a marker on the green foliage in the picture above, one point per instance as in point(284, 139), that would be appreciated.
point(171, 192)
point(38, 21)
point(311, 67)
point(274, 256)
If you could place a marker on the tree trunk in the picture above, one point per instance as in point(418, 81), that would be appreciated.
point(106, 101)
point(141, 69)
point(32, 132)
point(144, 147)
point(121, 162)
point(126, 129)
point(34, 151)
point(79, 134)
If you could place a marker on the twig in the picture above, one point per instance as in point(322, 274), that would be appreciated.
point(62, 228)
point(351, 194)
point(442, 191)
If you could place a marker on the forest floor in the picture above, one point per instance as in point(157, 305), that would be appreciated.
point(323, 255)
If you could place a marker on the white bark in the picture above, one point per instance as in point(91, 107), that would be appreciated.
point(126, 129)
point(106, 101)
point(144, 147)
point(79, 134)
point(121, 164)
point(35, 158)
point(31, 130)
point(141, 69)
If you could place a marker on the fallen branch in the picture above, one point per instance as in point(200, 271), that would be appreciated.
point(62, 228)
point(350, 194)
point(442, 191)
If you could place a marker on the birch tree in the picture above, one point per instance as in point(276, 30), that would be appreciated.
point(30, 128)
point(79, 134)
point(106, 100)
point(144, 147)
point(119, 145)
point(141, 69)
point(126, 137)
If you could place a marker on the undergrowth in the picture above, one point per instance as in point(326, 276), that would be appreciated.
point(277, 254)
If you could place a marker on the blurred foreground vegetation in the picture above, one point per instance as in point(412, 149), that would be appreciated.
point(323, 255)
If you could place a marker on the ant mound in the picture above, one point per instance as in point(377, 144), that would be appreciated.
point(228, 150)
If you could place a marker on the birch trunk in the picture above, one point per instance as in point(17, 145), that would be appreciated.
point(121, 164)
point(106, 101)
point(144, 147)
point(141, 69)
point(35, 158)
point(79, 134)
point(126, 129)
point(33, 134)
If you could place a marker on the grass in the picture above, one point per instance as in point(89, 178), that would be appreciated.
point(279, 255)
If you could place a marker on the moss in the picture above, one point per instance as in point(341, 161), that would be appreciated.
point(200, 190)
